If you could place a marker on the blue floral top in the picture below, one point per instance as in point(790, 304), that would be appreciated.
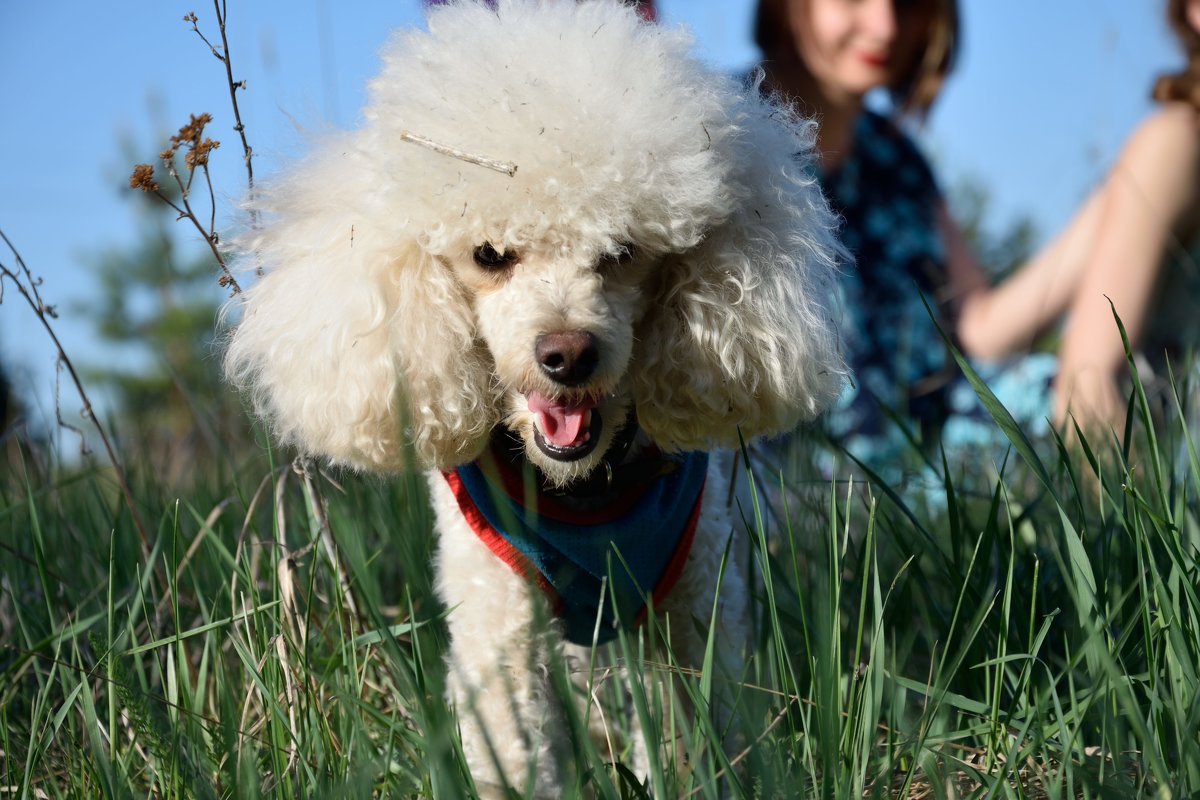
point(887, 195)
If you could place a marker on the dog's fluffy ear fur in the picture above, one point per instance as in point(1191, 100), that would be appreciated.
point(355, 345)
point(743, 336)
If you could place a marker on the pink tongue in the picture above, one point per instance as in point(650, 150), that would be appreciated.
point(560, 422)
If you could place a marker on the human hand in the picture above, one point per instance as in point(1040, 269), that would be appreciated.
point(1089, 397)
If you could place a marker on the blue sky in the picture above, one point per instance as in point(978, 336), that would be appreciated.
point(1044, 95)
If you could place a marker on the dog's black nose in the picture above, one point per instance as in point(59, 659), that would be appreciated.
point(568, 358)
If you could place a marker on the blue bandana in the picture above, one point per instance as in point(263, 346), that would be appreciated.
point(638, 538)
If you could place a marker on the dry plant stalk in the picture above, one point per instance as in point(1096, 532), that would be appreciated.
point(196, 149)
point(29, 288)
point(222, 54)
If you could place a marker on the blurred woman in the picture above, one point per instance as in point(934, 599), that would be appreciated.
point(1135, 236)
point(825, 56)
point(1135, 242)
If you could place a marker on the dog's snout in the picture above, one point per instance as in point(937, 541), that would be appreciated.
point(569, 357)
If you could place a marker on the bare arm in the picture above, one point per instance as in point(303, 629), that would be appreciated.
point(1148, 199)
point(998, 321)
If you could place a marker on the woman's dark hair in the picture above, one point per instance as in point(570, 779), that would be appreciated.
point(915, 91)
point(1182, 86)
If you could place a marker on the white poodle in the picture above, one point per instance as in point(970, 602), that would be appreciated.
point(624, 263)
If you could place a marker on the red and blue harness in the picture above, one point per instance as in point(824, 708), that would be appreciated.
point(597, 555)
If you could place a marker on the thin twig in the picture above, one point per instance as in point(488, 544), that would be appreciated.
point(733, 762)
point(62, 423)
point(222, 15)
point(310, 486)
point(196, 151)
point(313, 490)
point(212, 201)
point(28, 287)
point(210, 236)
point(507, 167)
point(222, 54)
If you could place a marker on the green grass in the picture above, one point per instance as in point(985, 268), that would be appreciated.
point(1027, 631)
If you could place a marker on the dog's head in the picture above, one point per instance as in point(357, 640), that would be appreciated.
point(661, 246)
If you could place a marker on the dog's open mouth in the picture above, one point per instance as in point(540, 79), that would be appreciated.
point(565, 429)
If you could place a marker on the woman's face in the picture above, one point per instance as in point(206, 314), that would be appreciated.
point(1193, 14)
point(854, 46)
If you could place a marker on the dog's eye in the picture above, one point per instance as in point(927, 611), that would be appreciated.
point(623, 254)
point(488, 257)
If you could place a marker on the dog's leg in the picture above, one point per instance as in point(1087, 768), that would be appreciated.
point(703, 586)
point(594, 675)
point(498, 676)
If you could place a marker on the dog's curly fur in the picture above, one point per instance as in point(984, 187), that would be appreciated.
point(667, 211)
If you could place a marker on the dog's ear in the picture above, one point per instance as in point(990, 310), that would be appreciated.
point(743, 336)
point(355, 344)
